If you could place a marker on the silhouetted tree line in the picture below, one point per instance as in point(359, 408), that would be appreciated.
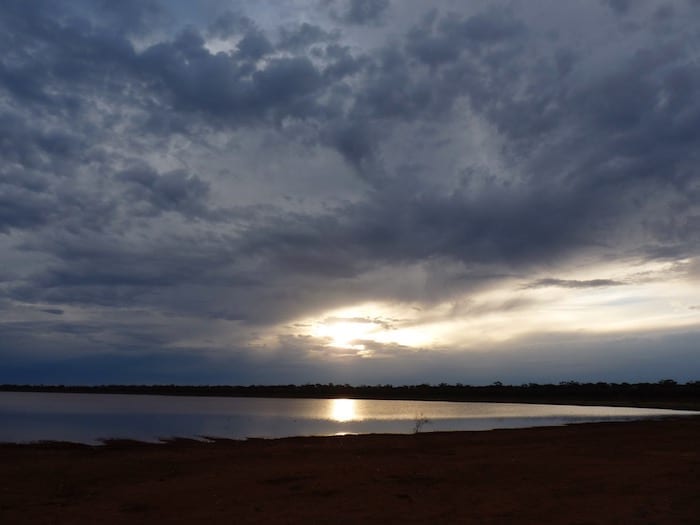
point(567, 391)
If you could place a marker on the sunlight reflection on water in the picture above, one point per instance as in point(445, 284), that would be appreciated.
point(343, 410)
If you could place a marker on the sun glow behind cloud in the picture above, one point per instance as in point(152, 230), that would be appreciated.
point(343, 334)
point(357, 326)
point(636, 297)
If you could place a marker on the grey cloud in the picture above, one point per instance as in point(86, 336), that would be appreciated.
point(442, 40)
point(378, 351)
point(483, 28)
point(32, 201)
point(131, 16)
point(303, 36)
point(179, 72)
point(356, 142)
point(417, 227)
point(390, 91)
point(20, 208)
point(569, 283)
point(288, 80)
point(664, 13)
point(620, 6)
point(223, 88)
point(586, 152)
point(385, 323)
point(47, 51)
point(254, 45)
point(547, 360)
point(115, 271)
point(357, 11)
point(691, 268)
point(229, 24)
point(342, 64)
point(82, 339)
point(38, 149)
point(172, 191)
point(52, 311)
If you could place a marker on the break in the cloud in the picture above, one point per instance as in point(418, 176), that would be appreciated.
point(349, 190)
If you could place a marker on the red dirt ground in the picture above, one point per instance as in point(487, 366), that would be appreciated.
point(636, 472)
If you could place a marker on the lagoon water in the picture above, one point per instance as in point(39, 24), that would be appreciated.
point(90, 418)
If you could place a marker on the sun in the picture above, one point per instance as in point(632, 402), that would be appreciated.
point(345, 333)
point(363, 328)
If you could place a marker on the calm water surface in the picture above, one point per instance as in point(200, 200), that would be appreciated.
point(89, 418)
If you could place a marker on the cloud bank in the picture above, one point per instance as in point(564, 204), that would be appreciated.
point(202, 192)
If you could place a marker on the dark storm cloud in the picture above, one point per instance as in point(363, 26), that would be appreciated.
point(112, 271)
point(20, 208)
point(539, 361)
point(596, 155)
point(195, 80)
point(179, 73)
point(173, 191)
point(52, 311)
point(620, 6)
point(254, 45)
point(229, 24)
point(49, 46)
point(231, 91)
point(357, 11)
point(391, 91)
point(464, 45)
point(29, 149)
point(130, 16)
point(302, 36)
point(34, 201)
point(401, 226)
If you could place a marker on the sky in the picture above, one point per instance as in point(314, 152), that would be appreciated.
point(349, 191)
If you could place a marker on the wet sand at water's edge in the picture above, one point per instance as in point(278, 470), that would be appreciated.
point(632, 472)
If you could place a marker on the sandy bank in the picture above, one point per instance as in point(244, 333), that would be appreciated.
point(634, 472)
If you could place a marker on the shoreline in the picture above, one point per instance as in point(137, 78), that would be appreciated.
point(611, 472)
point(205, 440)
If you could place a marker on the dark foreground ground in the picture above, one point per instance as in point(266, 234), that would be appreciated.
point(625, 473)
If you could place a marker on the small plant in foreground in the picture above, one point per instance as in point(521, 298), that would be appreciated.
point(419, 422)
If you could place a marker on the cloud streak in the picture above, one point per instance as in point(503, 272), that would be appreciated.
point(564, 283)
